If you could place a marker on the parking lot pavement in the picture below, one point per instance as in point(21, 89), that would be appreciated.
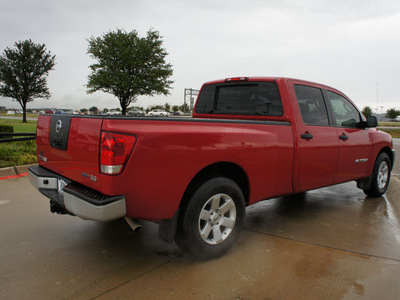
point(332, 243)
point(396, 167)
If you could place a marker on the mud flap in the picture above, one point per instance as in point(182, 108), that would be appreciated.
point(364, 184)
point(167, 228)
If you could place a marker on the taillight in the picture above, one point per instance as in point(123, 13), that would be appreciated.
point(115, 149)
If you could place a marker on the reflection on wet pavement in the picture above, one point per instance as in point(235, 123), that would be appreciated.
point(339, 217)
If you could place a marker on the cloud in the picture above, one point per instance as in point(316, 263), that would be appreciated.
point(350, 45)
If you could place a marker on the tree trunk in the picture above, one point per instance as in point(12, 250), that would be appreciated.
point(123, 106)
point(23, 112)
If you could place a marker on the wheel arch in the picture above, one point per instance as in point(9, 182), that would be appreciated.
point(220, 169)
point(168, 227)
point(389, 153)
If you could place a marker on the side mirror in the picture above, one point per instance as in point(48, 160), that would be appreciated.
point(372, 121)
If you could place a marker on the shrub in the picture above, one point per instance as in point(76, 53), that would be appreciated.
point(4, 129)
point(17, 153)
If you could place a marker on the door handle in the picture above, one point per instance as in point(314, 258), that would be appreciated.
point(343, 137)
point(307, 136)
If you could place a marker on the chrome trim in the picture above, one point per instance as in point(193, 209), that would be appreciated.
point(53, 187)
point(43, 182)
point(88, 211)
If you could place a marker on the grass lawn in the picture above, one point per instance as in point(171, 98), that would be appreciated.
point(395, 133)
point(30, 126)
point(4, 114)
point(18, 153)
point(389, 124)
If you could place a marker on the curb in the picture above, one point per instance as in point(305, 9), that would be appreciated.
point(12, 171)
point(393, 194)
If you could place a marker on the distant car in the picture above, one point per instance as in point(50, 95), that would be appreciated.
point(113, 112)
point(60, 112)
point(136, 112)
point(158, 113)
point(176, 113)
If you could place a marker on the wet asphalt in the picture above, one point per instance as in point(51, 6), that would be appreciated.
point(396, 167)
point(330, 243)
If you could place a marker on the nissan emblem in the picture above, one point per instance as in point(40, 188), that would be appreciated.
point(58, 126)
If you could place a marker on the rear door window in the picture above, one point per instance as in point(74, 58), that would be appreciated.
point(312, 105)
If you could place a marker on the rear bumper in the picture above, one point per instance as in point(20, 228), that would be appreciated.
point(77, 199)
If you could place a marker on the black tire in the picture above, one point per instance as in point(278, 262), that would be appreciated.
point(380, 176)
point(212, 220)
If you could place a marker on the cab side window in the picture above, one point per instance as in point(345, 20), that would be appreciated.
point(344, 112)
point(312, 105)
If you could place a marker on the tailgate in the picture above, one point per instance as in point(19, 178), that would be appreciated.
point(69, 146)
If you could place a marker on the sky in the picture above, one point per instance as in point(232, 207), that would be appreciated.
point(351, 45)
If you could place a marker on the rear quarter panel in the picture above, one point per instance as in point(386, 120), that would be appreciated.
point(168, 155)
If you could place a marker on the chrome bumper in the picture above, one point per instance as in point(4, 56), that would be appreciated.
point(79, 200)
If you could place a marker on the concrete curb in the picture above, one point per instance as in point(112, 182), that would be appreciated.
point(393, 194)
point(12, 171)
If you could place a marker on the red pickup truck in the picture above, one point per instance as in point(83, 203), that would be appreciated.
point(249, 139)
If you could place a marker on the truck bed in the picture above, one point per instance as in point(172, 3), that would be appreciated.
point(169, 150)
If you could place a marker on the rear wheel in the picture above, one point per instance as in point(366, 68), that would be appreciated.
point(212, 220)
point(380, 176)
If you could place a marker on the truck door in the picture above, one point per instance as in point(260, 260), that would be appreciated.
point(317, 139)
point(354, 150)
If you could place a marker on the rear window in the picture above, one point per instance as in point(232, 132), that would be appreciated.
point(250, 98)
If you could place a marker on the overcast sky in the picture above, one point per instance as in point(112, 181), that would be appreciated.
point(351, 45)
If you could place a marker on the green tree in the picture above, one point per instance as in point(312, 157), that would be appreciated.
point(84, 110)
point(175, 108)
point(167, 107)
point(367, 111)
point(24, 71)
point(129, 66)
point(153, 107)
point(392, 113)
point(94, 110)
point(184, 108)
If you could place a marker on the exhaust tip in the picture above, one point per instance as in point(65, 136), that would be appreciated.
point(134, 224)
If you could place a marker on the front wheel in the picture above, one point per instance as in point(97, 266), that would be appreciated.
point(212, 220)
point(380, 176)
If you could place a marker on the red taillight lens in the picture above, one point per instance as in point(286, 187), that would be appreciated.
point(115, 149)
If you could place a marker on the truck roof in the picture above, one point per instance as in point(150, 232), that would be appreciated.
point(266, 78)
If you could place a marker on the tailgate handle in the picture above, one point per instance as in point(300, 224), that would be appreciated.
point(343, 137)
